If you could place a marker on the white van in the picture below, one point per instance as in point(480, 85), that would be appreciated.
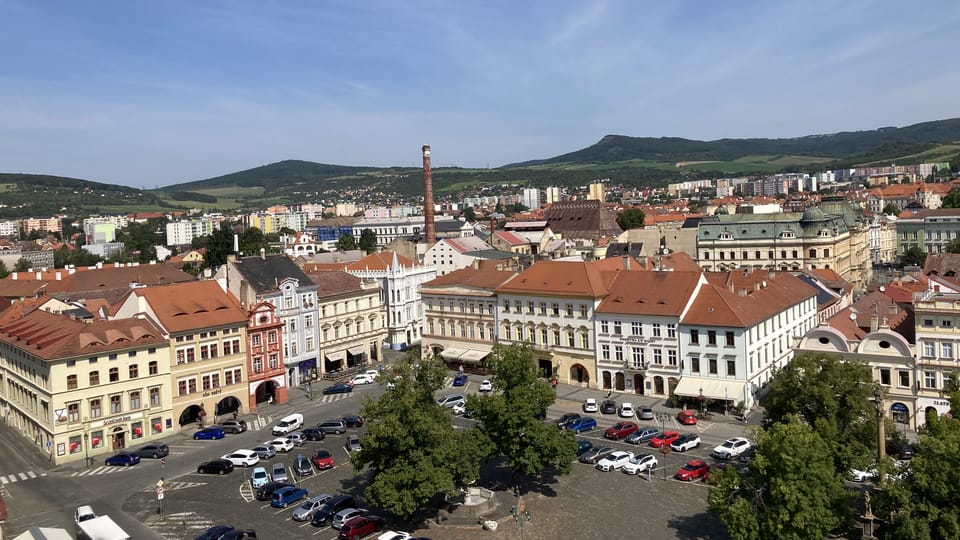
point(288, 424)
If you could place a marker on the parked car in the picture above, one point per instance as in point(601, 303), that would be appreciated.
point(748, 455)
point(302, 466)
point(322, 459)
point(242, 458)
point(642, 435)
point(626, 410)
point(83, 513)
point(209, 433)
point(281, 445)
point(325, 513)
point(297, 438)
point(583, 446)
point(685, 442)
point(334, 425)
point(311, 505)
point(595, 454)
point(731, 448)
point(288, 424)
point(460, 379)
point(352, 444)
point(609, 406)
point(646, 413)
point(353, 420)
point(640, 463)
point(123, 459)
point(363, 378)
point(344, 516)
point(339, 388)
point(215, 533)
point(265, 451)
point(240, 534)
point(614, 460)
point(449, 400)
point(620, 430)
point(233, 426)
point(664, 438)
point(217, 466)
point(286, 496)
point(566, 419)
point(486, 386)
point(264, 493)
point(259, 477)
point(687, 418)
point(279, 473)
point(361, 526)
point(154, 450)
point(579, 425)
point(858, 475)
point(313, 434)
point(899, 450)
point(693, 470)
point(590, 406)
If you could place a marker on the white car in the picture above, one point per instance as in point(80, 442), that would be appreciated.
point(394, 535)
point(615, 461)
point(685, 442)
point(363, 378)
point(281, 445)
point(640, 463)
point(862, 476)
point(731, 448)
point(486, 386)
point(243, 458)
point(590, 405)
point(626, 410)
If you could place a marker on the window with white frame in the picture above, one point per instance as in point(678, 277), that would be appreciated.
point(658, 356)
point(656, 329)
point(617, 327)
point(605, 352)
point(637, 354)
point(604, 327)
point(672, 357)
point(618, 353)
point(929, 349)
point(636, 328)
point(946, 351)
point(929, 379)
point(671, 330)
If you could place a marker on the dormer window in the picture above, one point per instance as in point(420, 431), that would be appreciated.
point(725, 235)
point(788, 234)
point(824, 233)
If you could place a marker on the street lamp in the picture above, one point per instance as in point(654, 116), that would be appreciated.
point(521, 515)
point(86, 449)
point(701, 400)
point(664, 449)
point(881, 436)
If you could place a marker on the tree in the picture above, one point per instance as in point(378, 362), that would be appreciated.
point(953, 246)
point(913, 257)
point(411, 446)
point(218, 245)
point(346, 242)
point(4, 271)
point(631, 218)
point(834, 396)
point(469, 214)
point(891, 209)
point(952, 200)
point(790, 490)
point(23, 264)
point(368, 241)
point(252, 241)
point(140, 240)
point(509, 417)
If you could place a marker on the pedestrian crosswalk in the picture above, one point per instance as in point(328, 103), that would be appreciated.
point(178, 525)
point(19, 477)
point(103, 469)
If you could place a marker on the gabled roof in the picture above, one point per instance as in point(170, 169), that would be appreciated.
point(186, 306)
point(472, 278)
point(558, 278)
point(334, 283)
point(743, 298)
point(650, 293)
point(380, 261)
point(856, 321)
point(942, 264)
point(512, 238)
point(51, 336)
point(467, 244)
point(264, 273)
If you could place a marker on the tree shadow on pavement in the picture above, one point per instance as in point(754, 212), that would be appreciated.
point(702, 526)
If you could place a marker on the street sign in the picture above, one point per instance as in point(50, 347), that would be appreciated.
point(160, 484)
point(159, 493)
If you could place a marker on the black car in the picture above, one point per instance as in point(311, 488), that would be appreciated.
point(339, 388)
point(314, 434)
point(217, 466)
point(302, 466)
point(233, 426)
point(154, 450)
point(265, 492)
point(336, 425)
point(899, 450)
point(608, 407)
point(240, 534)
point(216, 532)
point(353, 420)
point(583, 446)
point(324, 515)
point(566, 419)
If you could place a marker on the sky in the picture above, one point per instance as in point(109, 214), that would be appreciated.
point(154, 93)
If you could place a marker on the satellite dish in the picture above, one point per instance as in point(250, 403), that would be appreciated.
point(882, 288)
point(853, 316)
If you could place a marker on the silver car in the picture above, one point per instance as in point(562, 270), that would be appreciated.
point(344, 516)
point(279, 473)
point(265, 451)
point(297, 438)
point(305, 511)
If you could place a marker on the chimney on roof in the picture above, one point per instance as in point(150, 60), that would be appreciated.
point(39, 276)
point(893, 308)
point(430, 231)
point(756, 286)
point(57, 275)
point(742, 292)
point(13, 276)
point(99, 265)
point(730, 286)
point(874, 322)
point(117, 264)
point(626, 262)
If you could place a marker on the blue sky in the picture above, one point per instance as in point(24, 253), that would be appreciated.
point(152, 93)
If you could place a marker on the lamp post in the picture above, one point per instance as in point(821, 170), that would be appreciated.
point(881, 436)
point(701, 400)
point(521, 515)
point(86, 449)
point(664, 449)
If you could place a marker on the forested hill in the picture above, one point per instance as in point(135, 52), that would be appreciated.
point(291, 171)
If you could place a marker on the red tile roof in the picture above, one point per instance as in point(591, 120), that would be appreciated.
point(382, 260)
point(560, 278)
point(650, 293)
point(743, 298)
point(197, 304)
point(473, 278)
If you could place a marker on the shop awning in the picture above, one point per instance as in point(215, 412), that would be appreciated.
point(356, 351)
point(473, 356)
point(336, 356)
point(451, 353)
point(731, 390)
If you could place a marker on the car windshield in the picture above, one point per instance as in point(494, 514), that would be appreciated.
point(323, 454)
point(307, 505)
point(690, 467)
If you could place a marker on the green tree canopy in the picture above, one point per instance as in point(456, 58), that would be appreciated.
point(631, 218)
point(953, 246)
point(4, 271)
point(140, 240)
point(346, 243)
point(913, 257)
point(368, 241)
point(790, 491)
point(469, 214)
point(952, 200)
point(891, 209)
point(219, 245)
point(252, 241)
point(23, 264)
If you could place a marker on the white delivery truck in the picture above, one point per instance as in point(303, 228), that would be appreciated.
point(100, 528)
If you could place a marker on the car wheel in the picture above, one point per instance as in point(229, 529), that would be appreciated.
point(199, 470)
point(221, 472)
point(155, 456)
point(127, 464)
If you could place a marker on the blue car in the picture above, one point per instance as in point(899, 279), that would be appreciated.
point(123, 459)
point(339, 388)
point(287, 495)
point(579, 425)
point(460, 380)
point(213, 432)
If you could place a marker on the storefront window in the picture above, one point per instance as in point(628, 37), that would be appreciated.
point(136, 429)
point(96, 439)
point(156, 426)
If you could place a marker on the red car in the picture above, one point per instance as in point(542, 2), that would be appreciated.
point(687, 418)
point(361, 526)
point(322, 459)
point(620, 430)
point(693, 470)
point(664, 438)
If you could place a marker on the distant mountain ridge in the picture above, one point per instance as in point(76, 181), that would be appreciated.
point(846, 144)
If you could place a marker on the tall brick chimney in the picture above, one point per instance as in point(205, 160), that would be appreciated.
point(430, 231)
